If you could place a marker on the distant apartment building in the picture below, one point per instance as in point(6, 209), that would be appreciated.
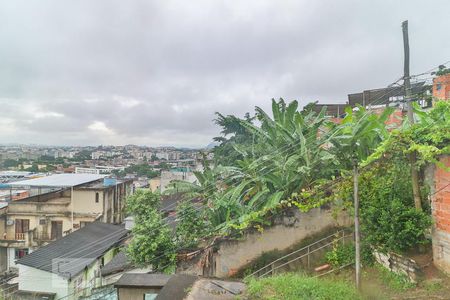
point(97, 154)
point(105, 170)
point(33, 221)
point(162, 155)
point(174, 155)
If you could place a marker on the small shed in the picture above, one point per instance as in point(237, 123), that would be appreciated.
point(133, 286)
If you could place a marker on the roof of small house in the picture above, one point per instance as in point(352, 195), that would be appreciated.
point(177, 288)
point(58, 180)
point(71, 254)
point(119, 263)
point(143, 280)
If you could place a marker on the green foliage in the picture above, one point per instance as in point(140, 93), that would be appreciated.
point(140, 170)
point(340, 255)
point(394, 281)
point(429, 138)
point(152, 242)
point(358, 135)
point(34, 168)
point(8, 163)
point(141, 202)
point(190, 228)
point(233, 133)
point(300, 287)
point(286, 154)
point(432, 285)
point(389, 220)
point(442, 70)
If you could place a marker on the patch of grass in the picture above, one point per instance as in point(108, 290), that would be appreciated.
point(432, 285)
point(395, 281)
point(300, 287)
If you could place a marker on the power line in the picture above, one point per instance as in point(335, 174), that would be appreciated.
point(290, 146)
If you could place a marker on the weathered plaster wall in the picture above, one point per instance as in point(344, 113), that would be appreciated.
point(288, 231)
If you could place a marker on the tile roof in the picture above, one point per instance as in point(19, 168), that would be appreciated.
point(69, 255)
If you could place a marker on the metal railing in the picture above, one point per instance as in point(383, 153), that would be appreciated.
point(303, 252)
point(20, 236)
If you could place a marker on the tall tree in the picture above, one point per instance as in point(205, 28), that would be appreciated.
point(152, 242)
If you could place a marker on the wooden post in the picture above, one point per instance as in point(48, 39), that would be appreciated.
point(407, 86)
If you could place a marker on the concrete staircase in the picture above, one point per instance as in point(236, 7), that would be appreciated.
point(306, 258)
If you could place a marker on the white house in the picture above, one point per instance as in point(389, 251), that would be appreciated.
point(70, 266)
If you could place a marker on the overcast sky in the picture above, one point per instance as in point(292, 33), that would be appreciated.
point(91, 72)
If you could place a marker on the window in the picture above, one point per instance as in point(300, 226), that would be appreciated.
point(97, 197)
point(83, 223)
point(22, 227)
point(19, 253)
point(150, 296)
point(56, 230)
point(438, 87)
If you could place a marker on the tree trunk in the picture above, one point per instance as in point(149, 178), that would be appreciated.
point(415, 181)
point(357, 230)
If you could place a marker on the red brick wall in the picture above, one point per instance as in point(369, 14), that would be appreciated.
point(441, 198)
point(443, 83)
point(395, 119)
point(440, 203)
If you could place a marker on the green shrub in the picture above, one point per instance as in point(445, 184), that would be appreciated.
point(389, 219)
point(341, 255)
point(300, 287)
point(152, 242)
point(190, 227)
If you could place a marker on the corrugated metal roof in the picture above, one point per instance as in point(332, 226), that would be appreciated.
point(69, 255)
point(59, 180)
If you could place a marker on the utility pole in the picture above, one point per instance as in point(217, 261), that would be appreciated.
point(407, 86)
point(357, 230)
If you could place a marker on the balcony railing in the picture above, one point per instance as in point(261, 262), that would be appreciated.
point(20, 236)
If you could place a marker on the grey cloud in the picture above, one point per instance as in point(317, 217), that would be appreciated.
point(160, 69)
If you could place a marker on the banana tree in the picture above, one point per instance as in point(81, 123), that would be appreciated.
point(353, 140)
point(288, 153)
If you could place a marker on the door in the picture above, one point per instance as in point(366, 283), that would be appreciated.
point(56, 230)
point(22, 227)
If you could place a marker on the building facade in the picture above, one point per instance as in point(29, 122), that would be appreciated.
point(32, 222)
